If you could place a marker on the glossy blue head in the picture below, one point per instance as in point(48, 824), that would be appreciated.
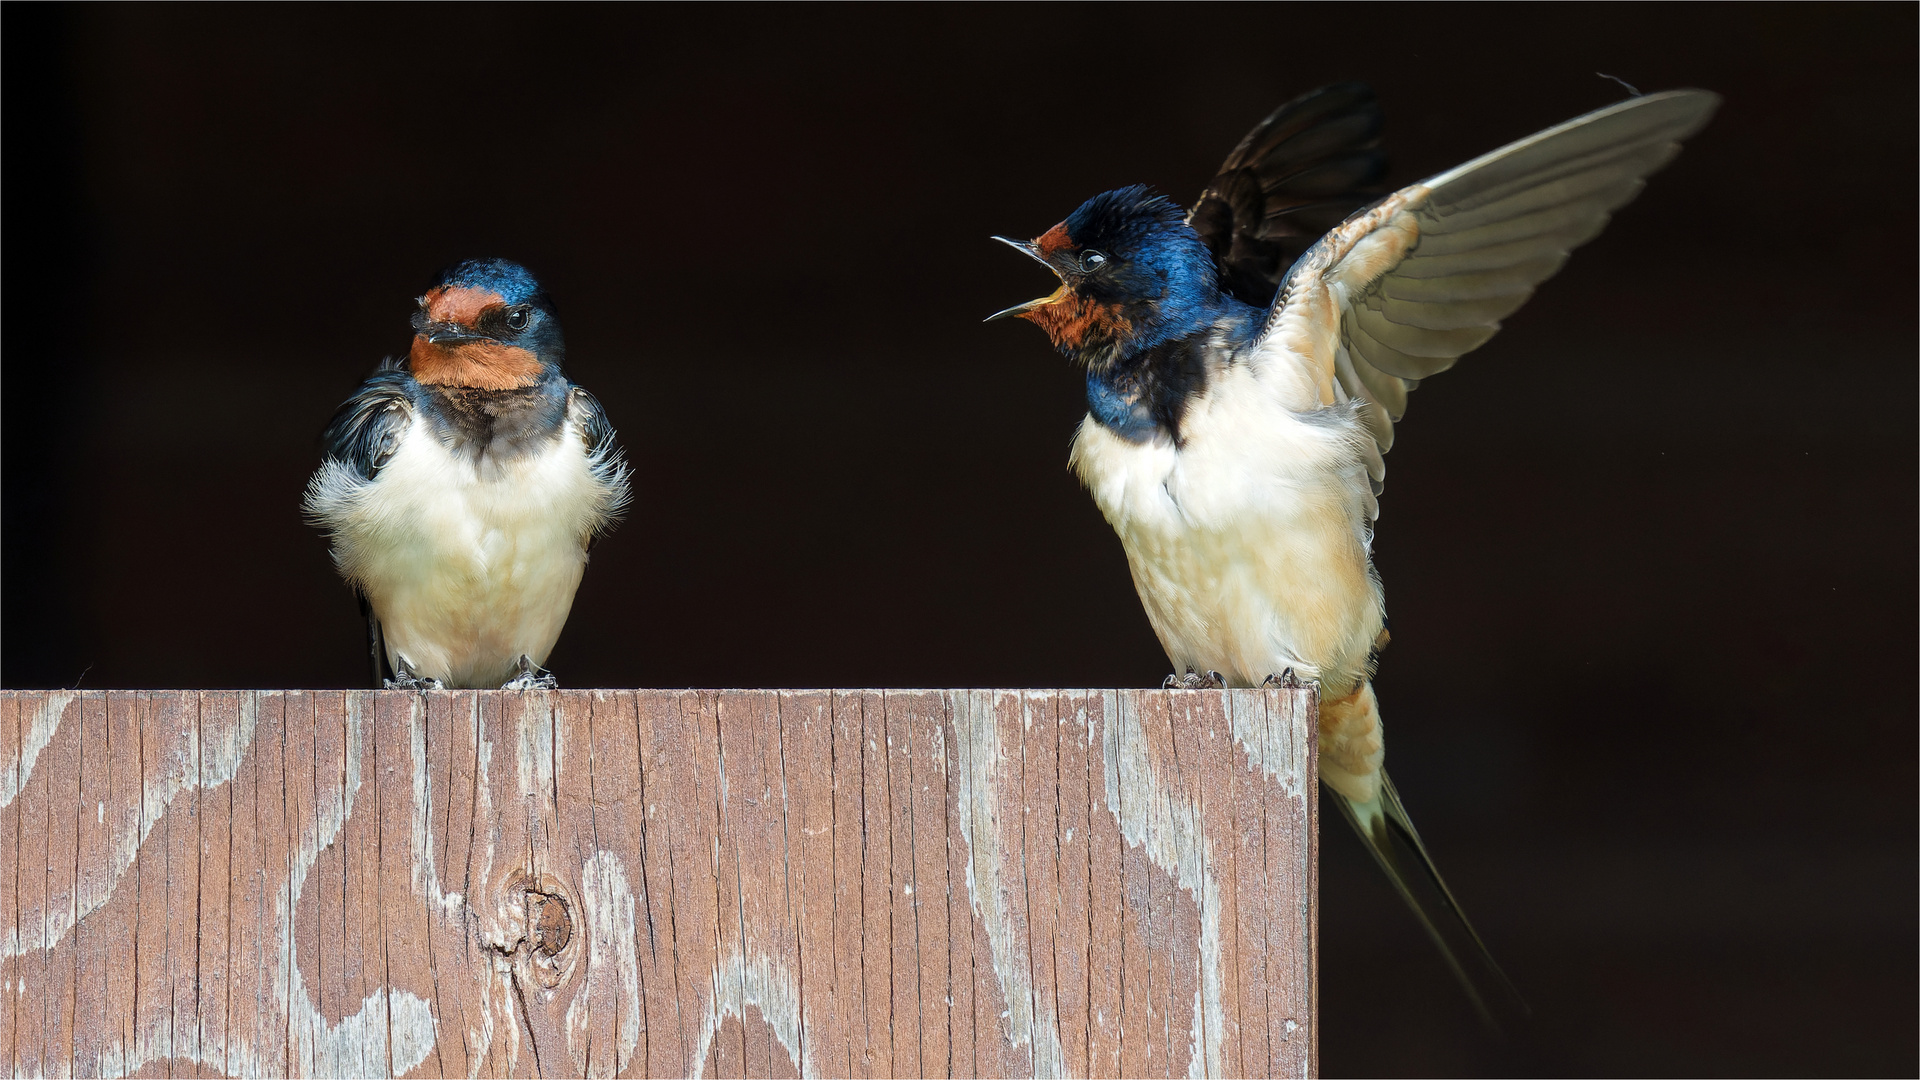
point(486, 324)
point(1132, 276)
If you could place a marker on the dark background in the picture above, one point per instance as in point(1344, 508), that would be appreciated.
point(1650, 554)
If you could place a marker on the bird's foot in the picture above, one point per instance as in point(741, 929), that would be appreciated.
point(406, 679)
point(1212, 680)
point(1286, 680)
point(532, 677)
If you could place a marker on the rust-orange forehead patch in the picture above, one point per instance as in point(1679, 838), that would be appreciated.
point(1054, 239)
point(460, 304)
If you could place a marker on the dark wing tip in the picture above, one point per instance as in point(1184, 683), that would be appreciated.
point(1299, 172)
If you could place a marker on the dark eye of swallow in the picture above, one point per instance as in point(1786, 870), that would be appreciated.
point(517, 319)
point(1092, 261)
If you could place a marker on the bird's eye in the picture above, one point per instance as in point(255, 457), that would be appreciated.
point(1092, 261)
point(517, 319)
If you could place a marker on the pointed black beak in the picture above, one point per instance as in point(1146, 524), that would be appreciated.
point(1032, 252)
point(1027, 248)
point(449, 334)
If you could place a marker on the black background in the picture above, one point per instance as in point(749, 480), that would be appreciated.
point(1650, 554)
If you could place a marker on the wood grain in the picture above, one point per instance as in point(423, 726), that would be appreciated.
point(622, 883)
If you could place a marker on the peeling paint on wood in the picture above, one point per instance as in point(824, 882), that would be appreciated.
point(619, 883)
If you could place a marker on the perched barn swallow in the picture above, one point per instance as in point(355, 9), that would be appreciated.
point(1242, 388)
point(464, 485)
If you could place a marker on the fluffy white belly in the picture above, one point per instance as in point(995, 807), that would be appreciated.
point(1248, 544)
point(469, 566)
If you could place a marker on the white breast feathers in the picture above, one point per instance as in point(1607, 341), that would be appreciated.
point(470, 564)
point(1249, 540)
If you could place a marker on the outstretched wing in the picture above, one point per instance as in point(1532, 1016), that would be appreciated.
point(1406, 288)
point(367, 429)
point(1301, 172)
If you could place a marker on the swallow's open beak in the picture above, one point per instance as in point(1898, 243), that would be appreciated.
point(1032, 252)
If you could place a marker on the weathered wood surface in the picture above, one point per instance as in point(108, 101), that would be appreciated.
point(761, 883)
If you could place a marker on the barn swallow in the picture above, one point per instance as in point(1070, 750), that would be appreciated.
point(1244, 374)
point(464, 484)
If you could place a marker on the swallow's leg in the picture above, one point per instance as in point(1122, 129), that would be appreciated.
point(405, 679)
point(1286, 680)
point(1212, 680)
point(532, 677)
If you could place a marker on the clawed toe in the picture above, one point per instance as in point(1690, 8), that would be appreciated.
point(406, 679)
point(1286, 680)
point(532, 677)
point(1212, 680)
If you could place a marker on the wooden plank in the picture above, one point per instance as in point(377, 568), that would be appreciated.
point(552, 956)
point(1137, 1015)
point(512, 788)
point(922, 735)
point(275, 831)
point(876, 884)
point(1246, 712)
point(179, 717)
point(152, 986)
point(596, 967)
point(1106, 889)
point(1003, 992)
point(614, 900)
point(849, 926)
point(1289, 887)
point(220, 746)
point(32, 915)
point(961, 946)
point(537, 889)
point(806, 731)
point(979, 813)
point(62, 765)
point(321, 913)
point(759, 949)
point(896, 746)
point(772, 931)
point(686, 757)
point(1156, 741)
point(93, 887)
point(601, 883)
point(13, 964)
point(404, 882)
point(305, 971)
point(1073, 918)
point(460, 967)
point(669, 1046)
point(736, 713)
point(1188, 1031)
point(366, 968)
point(248, 890)
point(1039, 825)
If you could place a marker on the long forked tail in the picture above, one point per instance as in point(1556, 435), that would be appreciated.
point(1389, 834)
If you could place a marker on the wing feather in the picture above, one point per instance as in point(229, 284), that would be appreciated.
point(367, 428)
point(1427, 274)
point(1517, 280)
point(607, 460)
point(1457, 314)
point(1391, 361)
point(1297, 174)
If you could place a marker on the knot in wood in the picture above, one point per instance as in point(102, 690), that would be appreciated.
point(549, 924)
